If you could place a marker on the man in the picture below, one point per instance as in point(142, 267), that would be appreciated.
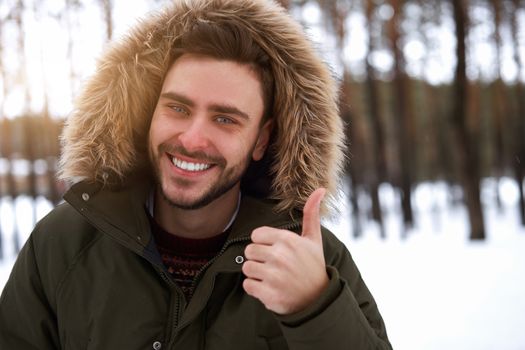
point(201, 151)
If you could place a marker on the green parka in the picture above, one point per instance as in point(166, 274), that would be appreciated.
point(89, 277)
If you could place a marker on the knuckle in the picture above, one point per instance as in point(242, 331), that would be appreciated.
point(249, 250)
point(279, 256)
point(288, 243)
point(273, 254)
point(258, 233)
point(247, 284)
point(247, 268)
point(271, 279)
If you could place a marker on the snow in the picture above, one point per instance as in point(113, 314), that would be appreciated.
point(20, 214)
point(435, 289)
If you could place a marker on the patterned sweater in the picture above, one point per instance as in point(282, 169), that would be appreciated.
point(185, 257)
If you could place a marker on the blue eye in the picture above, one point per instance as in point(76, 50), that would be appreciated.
point(224, 120)
point(179, 109)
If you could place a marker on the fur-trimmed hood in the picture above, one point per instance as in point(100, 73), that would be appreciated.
point(105, 137)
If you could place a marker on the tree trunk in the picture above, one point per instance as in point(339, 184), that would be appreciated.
point(402, 111)
point(18, 18)
point(498, 103)
point(69, 6)
point(467, 157)
point(519, 116)
point(49, 139)
point(378, 139)
point(31, 145)
point(336, 20)
point(3, 152)
point(107, 9)
point(351, 169)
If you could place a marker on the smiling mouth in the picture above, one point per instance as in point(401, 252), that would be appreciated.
point(190, 166)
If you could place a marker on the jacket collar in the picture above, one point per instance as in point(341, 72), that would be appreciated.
point(118, 213)
point(121, 213)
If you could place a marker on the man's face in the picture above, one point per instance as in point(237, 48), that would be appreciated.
point(205, 130)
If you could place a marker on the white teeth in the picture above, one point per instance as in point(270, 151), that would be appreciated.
point(188, 166)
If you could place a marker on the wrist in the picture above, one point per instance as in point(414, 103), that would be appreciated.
point(327, 295)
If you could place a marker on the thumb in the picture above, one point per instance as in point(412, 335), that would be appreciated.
point(311, 217)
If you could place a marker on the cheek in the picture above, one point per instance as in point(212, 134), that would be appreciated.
point(246, 146)
point(233, 148)
point(153, 126)
point(159, 130)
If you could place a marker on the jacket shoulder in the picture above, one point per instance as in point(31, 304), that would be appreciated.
point(64, 228)
point(338, 256)
point(57, 242)
point(334, 249)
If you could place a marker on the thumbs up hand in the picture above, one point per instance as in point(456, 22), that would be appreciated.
point(285, 271)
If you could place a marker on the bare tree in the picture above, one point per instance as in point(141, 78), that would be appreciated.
point(378, 140)
point(519, 114)
point(498, 100)
point(69, 15)
point(436, 152)
point(467, 157)
point(352, 169)
point(335, 19)
point(107, 10)
point(404, 126)
point(49, 138)
point(3, 95)
point(17, 16)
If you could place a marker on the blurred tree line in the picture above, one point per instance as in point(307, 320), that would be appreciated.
point(403, 128)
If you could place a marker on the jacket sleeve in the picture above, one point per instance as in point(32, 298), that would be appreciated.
point(27, 320)
point(344, 317)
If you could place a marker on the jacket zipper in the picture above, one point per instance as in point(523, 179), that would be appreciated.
point(173, 286)
point(208, 264)
point(226, 245)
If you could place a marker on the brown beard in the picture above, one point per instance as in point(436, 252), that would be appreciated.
point(228, 180)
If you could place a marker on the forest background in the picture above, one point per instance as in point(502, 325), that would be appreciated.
point(432, 91)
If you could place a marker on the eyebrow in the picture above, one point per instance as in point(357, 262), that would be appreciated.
point(177, 97)
point(219, 108)
point(227, 109)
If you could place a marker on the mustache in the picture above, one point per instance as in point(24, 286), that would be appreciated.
point(198, 155)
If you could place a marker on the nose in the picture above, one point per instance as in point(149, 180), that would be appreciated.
point(195, 136)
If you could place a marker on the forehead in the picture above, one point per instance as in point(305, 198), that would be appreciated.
point(207, 80)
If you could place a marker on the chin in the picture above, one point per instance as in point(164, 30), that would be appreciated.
point(182, 202)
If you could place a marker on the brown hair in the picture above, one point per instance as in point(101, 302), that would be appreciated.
point(228, 41)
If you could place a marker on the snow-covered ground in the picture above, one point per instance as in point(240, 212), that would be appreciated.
point(435, 289)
